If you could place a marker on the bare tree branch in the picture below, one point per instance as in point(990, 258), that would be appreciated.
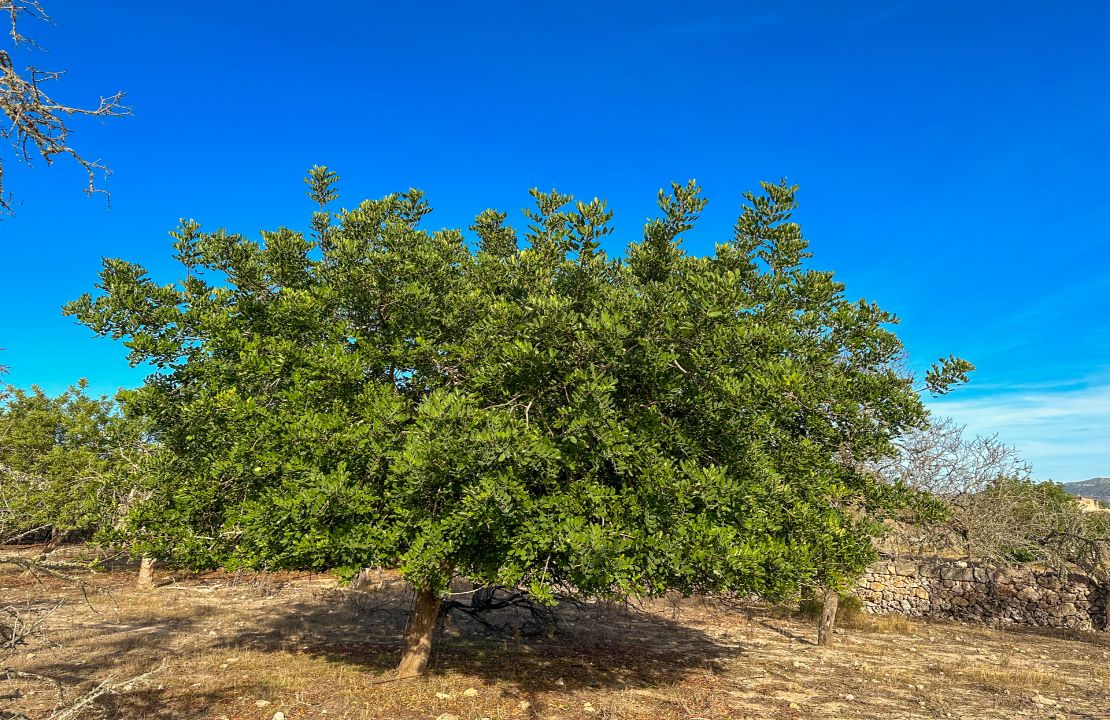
point(106, 687)
point(37, 125)
point(995, 511)
point(940, 459)
point(17, 625)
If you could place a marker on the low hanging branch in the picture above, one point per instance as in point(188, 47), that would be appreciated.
point(42, 563)
point(36, 124)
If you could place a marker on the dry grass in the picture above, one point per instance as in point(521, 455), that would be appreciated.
point(1005, 679)
point(881, 624)
point(244, 647)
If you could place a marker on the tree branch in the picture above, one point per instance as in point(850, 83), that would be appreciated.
point(38, 124)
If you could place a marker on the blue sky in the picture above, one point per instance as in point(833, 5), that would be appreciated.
point(953, 157)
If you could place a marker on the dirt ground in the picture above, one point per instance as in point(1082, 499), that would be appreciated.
point(250, 646)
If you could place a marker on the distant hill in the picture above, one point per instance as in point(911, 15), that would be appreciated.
point(1098, 488)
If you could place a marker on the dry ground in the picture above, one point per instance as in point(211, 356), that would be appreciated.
point(249, 646)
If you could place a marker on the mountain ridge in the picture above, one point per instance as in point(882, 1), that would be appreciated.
point(1096, 487)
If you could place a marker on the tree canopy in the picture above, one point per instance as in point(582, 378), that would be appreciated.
point(60, 460)
point(546, 416)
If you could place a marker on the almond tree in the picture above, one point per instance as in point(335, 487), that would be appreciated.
point(992, 509)
point(544, 417)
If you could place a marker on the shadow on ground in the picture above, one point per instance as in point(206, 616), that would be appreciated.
point(591, 645)
point(595, 645)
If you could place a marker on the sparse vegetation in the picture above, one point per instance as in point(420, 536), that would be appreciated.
point(990, 507)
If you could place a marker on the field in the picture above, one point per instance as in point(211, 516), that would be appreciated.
point(240, 646)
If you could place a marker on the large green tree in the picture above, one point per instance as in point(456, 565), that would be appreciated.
point(546, 416)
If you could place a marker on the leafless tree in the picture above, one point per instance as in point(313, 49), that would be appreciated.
point(995, 511)
point(942, 459)
point(36, 124)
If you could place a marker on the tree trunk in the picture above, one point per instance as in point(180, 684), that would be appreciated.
point(363, 582)
point(418, 637)
point(828, 617)
point(146, 572)
point(1105, 588)
point(483, 597)
point(57, 537)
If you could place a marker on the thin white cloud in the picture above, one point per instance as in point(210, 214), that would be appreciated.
point(1064, 431)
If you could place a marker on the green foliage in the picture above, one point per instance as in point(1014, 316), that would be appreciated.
point(58, 457)
point(520, 413)
point(848, 606)
point(946, 373)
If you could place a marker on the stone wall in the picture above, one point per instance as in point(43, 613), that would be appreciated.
point(984, 594)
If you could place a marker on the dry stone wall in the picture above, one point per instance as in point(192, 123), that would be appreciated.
point(979, 593)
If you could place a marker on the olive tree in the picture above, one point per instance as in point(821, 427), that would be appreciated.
point(515, 409)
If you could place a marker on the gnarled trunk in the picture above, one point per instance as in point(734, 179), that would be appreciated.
point(57, 537)
point(418, 637)
point(828, 617)
point(146, 572)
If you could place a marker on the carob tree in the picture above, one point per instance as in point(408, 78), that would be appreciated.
point(545, 417)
